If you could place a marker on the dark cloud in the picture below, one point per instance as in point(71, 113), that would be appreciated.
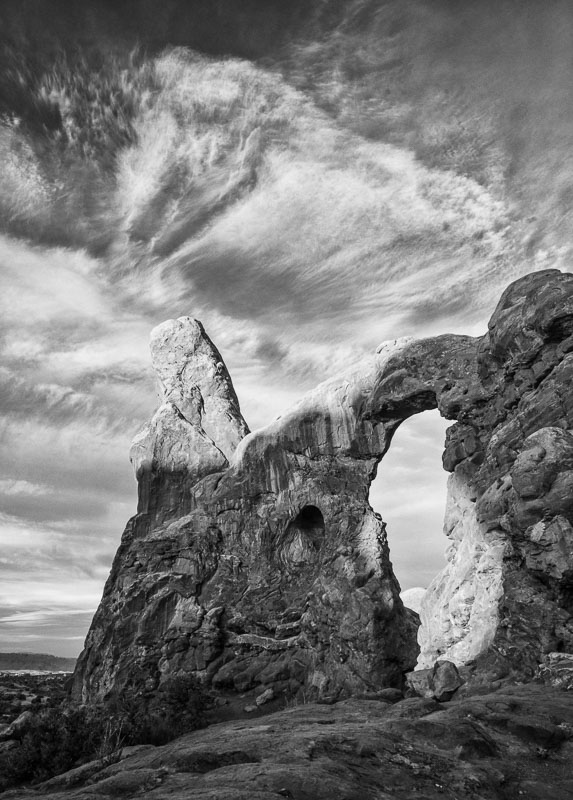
point(50, 507)
point(271, 351)
point(251, 29)
point(54, 403)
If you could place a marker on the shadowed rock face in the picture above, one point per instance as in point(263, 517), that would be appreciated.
point(256, 561)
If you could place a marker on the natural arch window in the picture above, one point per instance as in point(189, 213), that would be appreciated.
point(303, 537)
point(409, 491)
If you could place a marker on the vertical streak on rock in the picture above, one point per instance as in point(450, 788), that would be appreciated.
point(459, 612)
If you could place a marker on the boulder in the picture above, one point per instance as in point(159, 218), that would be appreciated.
point(17, 727)
point(446, 680)
point(440, 682)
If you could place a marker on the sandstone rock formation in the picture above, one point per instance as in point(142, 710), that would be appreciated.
point(507, 590)
point(267, 570)
point(197, 427)
point(255, 561)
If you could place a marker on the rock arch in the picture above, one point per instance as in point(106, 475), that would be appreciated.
point(216, 500)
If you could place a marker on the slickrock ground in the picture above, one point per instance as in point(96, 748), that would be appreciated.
point(514, 743)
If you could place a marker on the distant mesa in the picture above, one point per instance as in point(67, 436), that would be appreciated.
point(255, 561)
point(40, 662)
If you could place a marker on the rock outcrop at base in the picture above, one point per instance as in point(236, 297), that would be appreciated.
point(514, 743)
point(256, 562)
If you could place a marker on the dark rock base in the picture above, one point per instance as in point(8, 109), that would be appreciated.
point(517, 742)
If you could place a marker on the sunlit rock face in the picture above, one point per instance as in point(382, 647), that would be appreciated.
point(506, 595)
point(197, 427)
point(255, 560)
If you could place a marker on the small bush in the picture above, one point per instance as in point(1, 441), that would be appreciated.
point(177, 707)
point(53, 741)
point(58, 739)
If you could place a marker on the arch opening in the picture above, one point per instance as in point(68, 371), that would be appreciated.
point(409, 493)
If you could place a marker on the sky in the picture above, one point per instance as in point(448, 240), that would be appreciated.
point(307, 179)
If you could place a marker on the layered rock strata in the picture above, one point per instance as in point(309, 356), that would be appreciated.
point(255, 560)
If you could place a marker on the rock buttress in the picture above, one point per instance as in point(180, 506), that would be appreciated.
point(257, 565)
point(506, 595)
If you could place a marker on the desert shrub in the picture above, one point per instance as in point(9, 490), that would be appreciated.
point(55, 740)
point(176, 707)
point(52, 741)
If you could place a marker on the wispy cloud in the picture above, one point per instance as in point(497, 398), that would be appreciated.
point(15, 488)
point(388, 186)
